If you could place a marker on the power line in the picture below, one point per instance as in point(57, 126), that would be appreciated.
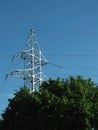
point(68, 32)
point(83, 68)
point(86, 55)
point(73, 74)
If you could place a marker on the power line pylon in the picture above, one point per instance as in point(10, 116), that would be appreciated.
point(33, 62)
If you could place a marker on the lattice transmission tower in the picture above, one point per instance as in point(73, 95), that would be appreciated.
point(33, 61)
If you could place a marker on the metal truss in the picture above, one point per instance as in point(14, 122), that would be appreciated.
point(33, 61)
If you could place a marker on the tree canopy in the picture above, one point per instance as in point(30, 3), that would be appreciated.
point(57, 105)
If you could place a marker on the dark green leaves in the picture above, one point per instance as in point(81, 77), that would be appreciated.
point(57, 105)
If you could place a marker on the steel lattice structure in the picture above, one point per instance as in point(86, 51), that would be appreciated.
point(33, 62)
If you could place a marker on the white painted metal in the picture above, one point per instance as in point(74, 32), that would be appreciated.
point(33, 62)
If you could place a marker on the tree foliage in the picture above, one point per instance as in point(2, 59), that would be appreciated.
point(57, 105)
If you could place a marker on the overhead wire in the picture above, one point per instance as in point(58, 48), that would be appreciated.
point(80, 68)
point(74, 55)
point(4, 80)
point(73, 74)
point(87, 55)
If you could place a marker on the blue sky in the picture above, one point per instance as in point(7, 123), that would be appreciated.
point(68, 36)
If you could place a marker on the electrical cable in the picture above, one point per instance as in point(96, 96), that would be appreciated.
point(55, 65)
point(2, 85)
point(62, 75)
point(86, 55)
point(80, 68)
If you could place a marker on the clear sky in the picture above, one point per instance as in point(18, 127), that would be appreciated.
point(68, 36)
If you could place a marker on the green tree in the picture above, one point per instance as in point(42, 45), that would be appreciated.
point(57, 105)
point(94, 120)
point(75, 95)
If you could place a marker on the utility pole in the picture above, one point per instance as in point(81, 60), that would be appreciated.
point(33, 62)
